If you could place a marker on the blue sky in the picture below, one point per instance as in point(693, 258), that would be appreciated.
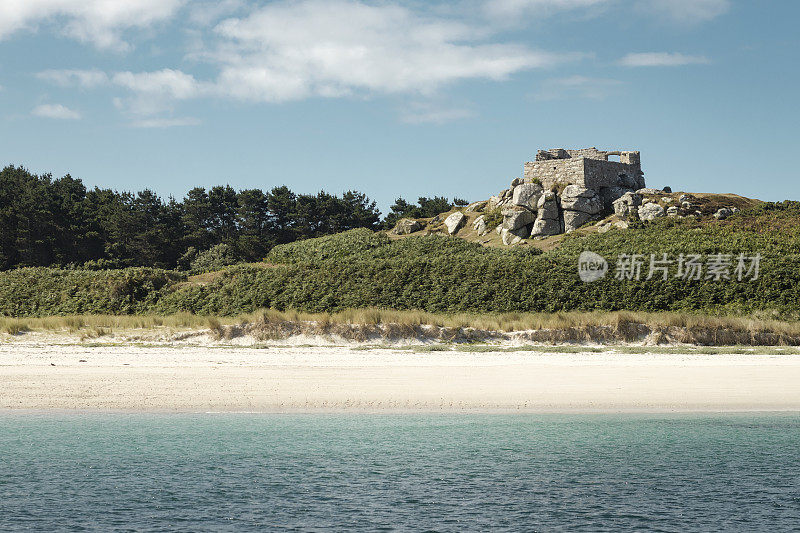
point(398, 98)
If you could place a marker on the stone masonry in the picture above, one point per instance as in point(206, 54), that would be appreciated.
point(588, 167)
point(564, 189)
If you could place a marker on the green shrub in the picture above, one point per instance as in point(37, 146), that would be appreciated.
point(362, 269)
point(493, 218)
point(332, 246)
point(47, 291)
point(214, 258)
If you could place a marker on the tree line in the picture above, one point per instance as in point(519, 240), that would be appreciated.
point(59, 222)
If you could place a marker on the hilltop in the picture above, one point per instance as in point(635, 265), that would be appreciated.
point(703, 205)
point(367, 269)
point(571, 190)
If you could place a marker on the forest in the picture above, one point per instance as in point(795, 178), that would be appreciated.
point(62, 223)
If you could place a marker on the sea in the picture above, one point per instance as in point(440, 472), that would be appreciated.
point(399, 472)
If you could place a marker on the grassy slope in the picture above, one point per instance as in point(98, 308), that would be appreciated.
point(361, 269)
point(441, 274)
point(706, 203)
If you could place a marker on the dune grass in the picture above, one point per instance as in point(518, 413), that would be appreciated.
point(107, 323)
point(511, 322)
point(401, 323)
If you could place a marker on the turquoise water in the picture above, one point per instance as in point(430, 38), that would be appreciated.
point(149, 472)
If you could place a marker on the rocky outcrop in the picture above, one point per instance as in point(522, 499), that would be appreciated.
point(575, 219)
point(651, 211)
point(479, 225)
point(579, 205)
point(577, 198)
point(547, 218)
point(625, 206)
point(405, 226)
point(725, 212)
point(516, 217)
point(476, 206)
point(565, 189)
point(511, 237)
point(609, 194)
point(454, 222)
point(649, 191)
point(527, 195)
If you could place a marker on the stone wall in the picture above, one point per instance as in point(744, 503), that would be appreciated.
point(591, 153)
point(587, 167)
point(598, 174)
point(555, 171)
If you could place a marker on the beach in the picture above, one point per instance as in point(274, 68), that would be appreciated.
point(49, 376)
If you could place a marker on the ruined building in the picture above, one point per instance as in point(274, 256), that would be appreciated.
point(587, 167)
point(564, 189)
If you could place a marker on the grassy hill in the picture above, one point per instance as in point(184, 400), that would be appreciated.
point(365, 269)
point(706, 203)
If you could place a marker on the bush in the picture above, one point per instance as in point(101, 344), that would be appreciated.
point(214, 258)
point(362, 269)
point(494, 218)
point(42, 291)
point(340, 245)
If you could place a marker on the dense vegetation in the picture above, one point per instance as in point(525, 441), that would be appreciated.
point(48, 221)
point(361, 268)
point(59, 222)
point(425, 208)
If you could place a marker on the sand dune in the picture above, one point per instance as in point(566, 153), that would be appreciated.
point(207, 378)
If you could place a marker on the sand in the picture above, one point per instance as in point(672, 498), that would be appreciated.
point(35, 375)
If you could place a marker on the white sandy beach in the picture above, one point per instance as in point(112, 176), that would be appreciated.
point(37, 375)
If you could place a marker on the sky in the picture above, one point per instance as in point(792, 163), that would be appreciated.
point(398, 98)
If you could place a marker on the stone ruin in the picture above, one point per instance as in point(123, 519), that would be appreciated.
point(561, 190)
point(564, 189)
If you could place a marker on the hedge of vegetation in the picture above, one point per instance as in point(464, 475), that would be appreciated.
point(43, 291)
point(359, 269)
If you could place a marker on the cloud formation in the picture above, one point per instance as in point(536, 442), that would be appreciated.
point(86, 79)
point(56, 111)
point(291, 50)
point(294, 50)
point(100, 22)
point(288, 51)
point(661, 59)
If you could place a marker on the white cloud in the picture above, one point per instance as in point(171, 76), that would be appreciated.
point(165, 122)
point(154, 93)
point(577, 87)
point(56, 111)
point(295, 50)
point(86, 79)
point(100, 22)
point(167, 82)
point(151, 93)
point(327, 48)
point(290, 51)
point(686, 11)
point(203, 13)
point(661, 59)
point(518, 8)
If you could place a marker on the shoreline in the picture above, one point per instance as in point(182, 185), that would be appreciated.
point(41, 377)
